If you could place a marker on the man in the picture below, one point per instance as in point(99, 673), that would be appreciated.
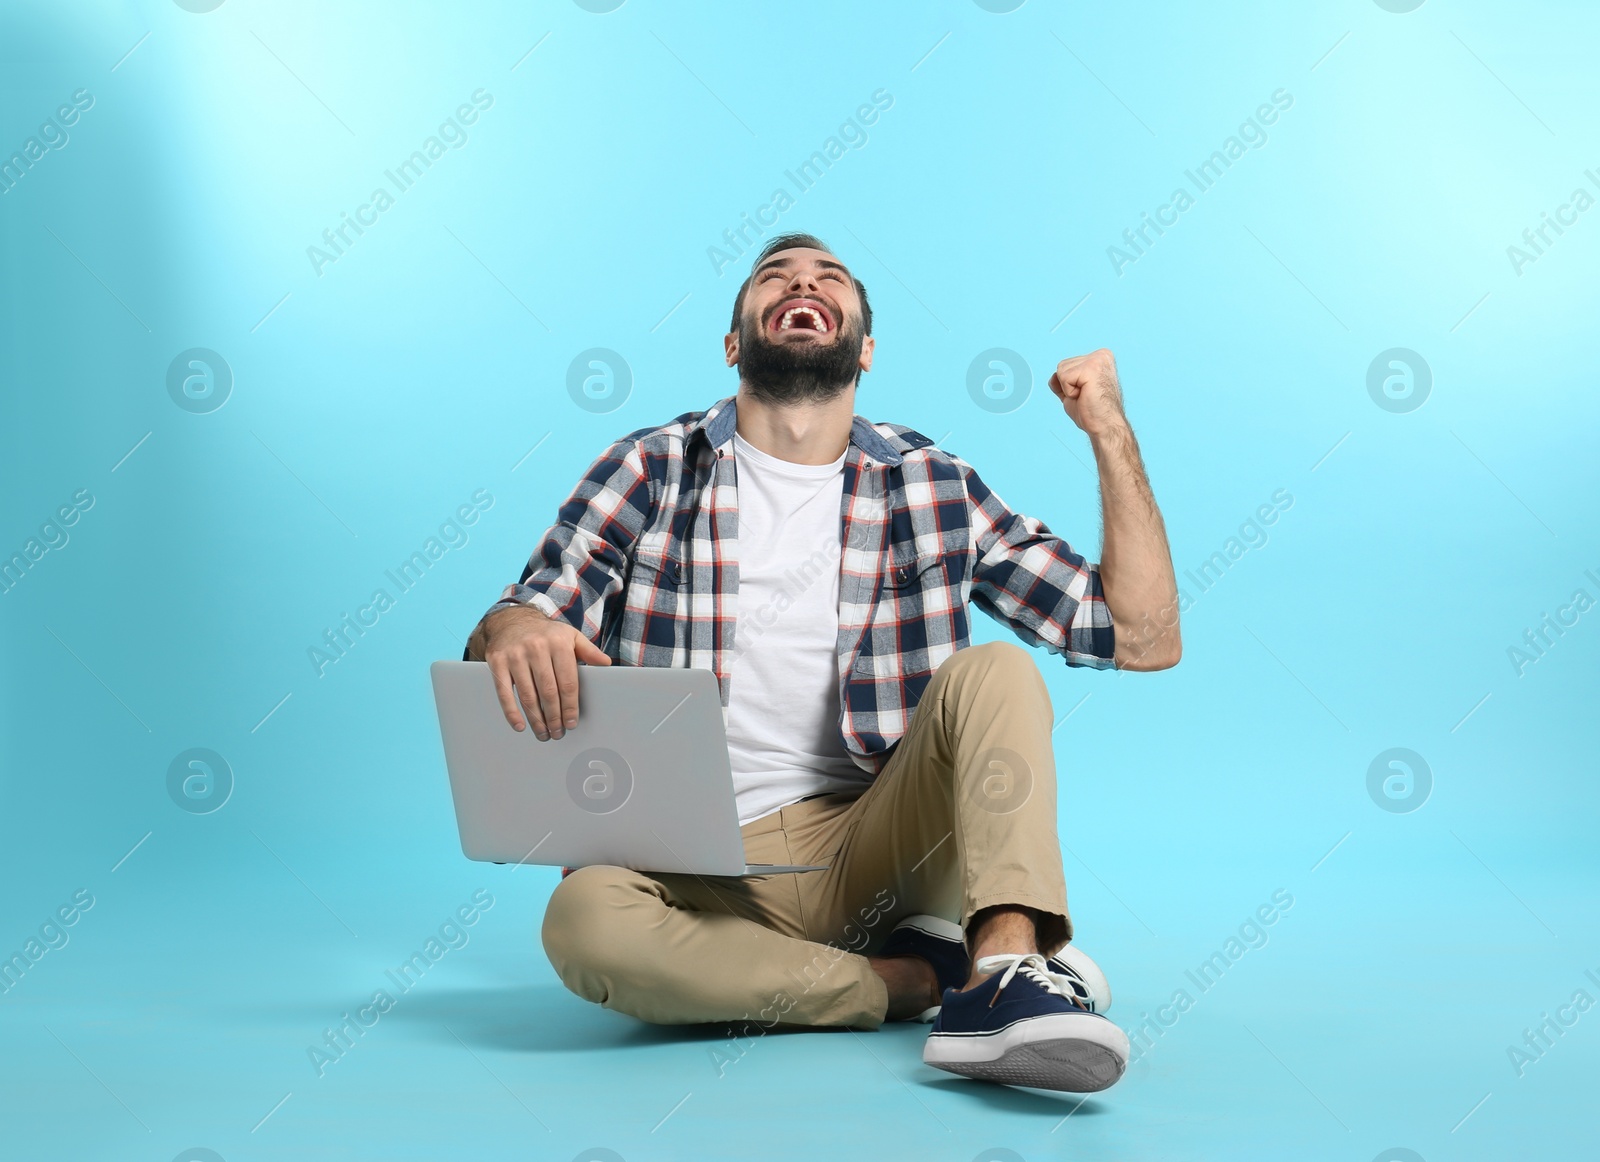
point(822, 567)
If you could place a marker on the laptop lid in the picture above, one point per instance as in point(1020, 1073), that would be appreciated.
point(642, 782)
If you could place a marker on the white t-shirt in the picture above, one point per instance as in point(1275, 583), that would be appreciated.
point(783, 704)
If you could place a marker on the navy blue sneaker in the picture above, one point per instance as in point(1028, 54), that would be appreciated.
point(1024, 1026)
point(939, 942)
point(1088, 984)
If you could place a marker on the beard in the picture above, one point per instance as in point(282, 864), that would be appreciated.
point(788, 373)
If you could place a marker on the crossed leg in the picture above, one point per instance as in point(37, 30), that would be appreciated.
point(961, 823)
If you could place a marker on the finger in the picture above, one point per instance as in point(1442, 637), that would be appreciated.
point(544, 680)
point(566, 673)
point(504, 691)
point(590, 654)
point(528, 693)
point(1070, 375)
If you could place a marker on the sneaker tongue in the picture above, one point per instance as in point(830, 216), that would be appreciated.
point(1004, 960)
point(1029, 966)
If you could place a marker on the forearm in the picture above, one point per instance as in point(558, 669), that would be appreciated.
point(1135, 561)
point(570, 577)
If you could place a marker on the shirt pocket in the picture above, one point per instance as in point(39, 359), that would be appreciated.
point(909, 570)
point(655, 566)
point(651, 607)
point(919, 620)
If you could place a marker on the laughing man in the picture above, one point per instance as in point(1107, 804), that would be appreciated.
point(822, 566)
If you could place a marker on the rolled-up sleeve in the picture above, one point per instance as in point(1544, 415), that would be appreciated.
point(1031, 580)
point(577, 571)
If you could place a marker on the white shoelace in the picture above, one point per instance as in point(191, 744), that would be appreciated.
point(1032, 965)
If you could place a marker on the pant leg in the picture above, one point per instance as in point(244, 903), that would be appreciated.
point(963, 817)
point(683, 949)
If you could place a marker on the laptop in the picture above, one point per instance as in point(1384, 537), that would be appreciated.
point(642, 782)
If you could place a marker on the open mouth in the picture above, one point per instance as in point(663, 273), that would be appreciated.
point(803, 315)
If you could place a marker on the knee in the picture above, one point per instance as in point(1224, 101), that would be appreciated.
point(581, 933)
point(989, 655)
point(988, 662)
point(1002, 781)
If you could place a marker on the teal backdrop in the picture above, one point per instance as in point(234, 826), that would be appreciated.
point(304, 305)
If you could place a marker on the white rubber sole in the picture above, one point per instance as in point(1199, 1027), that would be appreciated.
point(1070, 1052)
point(1088, 972)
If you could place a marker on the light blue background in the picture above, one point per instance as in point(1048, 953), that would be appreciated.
point(372, 400)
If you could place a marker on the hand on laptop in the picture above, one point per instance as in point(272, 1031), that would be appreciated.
point(534, 660)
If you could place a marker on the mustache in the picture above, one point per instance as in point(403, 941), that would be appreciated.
point(799, 373)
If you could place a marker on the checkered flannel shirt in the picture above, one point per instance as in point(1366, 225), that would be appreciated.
point(643, 560)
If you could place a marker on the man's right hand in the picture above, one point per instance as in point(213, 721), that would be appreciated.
point(534, 660)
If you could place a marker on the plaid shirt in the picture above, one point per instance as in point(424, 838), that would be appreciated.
point(643, 559)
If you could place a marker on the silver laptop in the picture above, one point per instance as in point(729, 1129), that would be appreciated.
point(642, 782)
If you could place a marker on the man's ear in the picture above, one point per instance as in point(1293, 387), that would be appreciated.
point(730, 348)
point(867, 346)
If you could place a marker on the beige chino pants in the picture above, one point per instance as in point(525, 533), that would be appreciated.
point(962, 818)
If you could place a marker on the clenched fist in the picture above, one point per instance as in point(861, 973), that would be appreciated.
point(1087, 386)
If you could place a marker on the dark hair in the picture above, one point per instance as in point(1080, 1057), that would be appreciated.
point(798, 242)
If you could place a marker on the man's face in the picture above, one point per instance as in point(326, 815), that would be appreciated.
point(800, 333)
